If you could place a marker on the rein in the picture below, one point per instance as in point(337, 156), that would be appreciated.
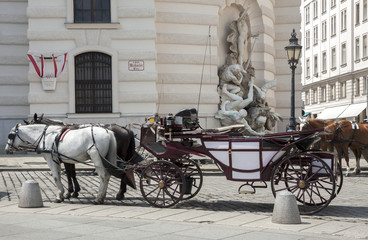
point(32, 147)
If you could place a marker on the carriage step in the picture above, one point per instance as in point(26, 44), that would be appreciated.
point(251, 187)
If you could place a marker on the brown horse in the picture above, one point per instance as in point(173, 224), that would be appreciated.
point(125, 150)
point(351, 135)
point(316, 123)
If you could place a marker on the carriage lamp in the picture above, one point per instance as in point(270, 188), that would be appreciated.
point(293, 51)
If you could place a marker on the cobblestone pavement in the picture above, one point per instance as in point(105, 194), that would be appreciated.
point(216, 194)
point(218, 208)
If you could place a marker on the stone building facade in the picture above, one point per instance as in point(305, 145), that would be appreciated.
point(156, 56)
point(335, 58)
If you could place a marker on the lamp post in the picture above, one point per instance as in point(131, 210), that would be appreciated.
point(293, 51)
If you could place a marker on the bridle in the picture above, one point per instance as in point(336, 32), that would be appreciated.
point(26, 145)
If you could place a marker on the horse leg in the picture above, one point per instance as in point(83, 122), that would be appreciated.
point(346, 155)
point(103, 174)
point(70, 182)
point(75, 181)
point(357, 154)
point(122, 190)
point(56, 174)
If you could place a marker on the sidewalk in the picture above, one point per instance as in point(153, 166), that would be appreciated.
point(134, 219)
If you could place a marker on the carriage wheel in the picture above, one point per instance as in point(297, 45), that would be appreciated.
point(161, 183)
point(193, 177)
point(309, 178)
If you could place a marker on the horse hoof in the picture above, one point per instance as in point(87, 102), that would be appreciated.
point(75, 195)
point(58, 200)
point(67, 196)
point(99, 202)
point(120, 197)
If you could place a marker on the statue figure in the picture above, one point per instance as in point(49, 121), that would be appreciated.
point(242, 102)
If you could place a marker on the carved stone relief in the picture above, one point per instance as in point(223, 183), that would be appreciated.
point(241, 101)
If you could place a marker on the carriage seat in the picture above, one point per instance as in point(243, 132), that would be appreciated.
point(156, 147)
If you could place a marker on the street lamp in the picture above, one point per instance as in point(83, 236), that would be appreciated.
point(293, 51)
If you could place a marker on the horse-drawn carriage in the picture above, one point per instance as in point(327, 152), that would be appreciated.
point(282, 159)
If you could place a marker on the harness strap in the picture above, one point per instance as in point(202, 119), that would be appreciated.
point(354, 133)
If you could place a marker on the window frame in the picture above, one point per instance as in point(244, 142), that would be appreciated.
point(114, 24)
point(332, 95)
point(315, 65)
point(315, 35)
point(343, 54)
point(307, 39)
point(343, 90)
point(357, 13)
point(97, 75)
point(323, 94)
point(324, 30)
point(357, 87)
point(343, 20)
point(333, 58)
point(365, 46)
point(357, 48)
point(333, 25)
point(324, 62)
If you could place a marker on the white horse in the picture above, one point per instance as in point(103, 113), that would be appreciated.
point(78, 145)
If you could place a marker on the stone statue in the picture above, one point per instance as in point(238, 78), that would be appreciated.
point(242, 102)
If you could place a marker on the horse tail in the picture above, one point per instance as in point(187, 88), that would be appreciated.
point(111, 155)
point(131, 147)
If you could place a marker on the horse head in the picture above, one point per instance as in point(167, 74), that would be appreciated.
point(13, 140)
point(303, 123)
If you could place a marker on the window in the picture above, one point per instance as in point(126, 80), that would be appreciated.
point(343, 54)
point(333, 25)
point(315, 64)
point(92, 11)
point(333, 3)
point(324, 62)
point(324, 30)
point(357, 49)
point(365, 45)
point(332, 92)
point(343, 90)
point(343, 20)
point(357, 17)
point(315, 96)
point(323, 94)
point(307, 39)
point(357, 87)
point(315, 35)
point(333, 58)
point(307, 14)
point(315, 9)
point(307, 102)
point(324, 6)
point(365, 9)
point(93, 83)
point(307, 68)
point(365, 85)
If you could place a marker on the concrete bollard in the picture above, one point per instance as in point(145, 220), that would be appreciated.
point(30, 195)
point(285, 210)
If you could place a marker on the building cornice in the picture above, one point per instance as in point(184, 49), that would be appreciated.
point(338, 78)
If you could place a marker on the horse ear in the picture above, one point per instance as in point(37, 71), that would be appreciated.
point(41, 117)
point(35, 117)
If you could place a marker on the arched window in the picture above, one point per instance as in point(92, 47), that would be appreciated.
point(92, 11)
point(93, 91)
